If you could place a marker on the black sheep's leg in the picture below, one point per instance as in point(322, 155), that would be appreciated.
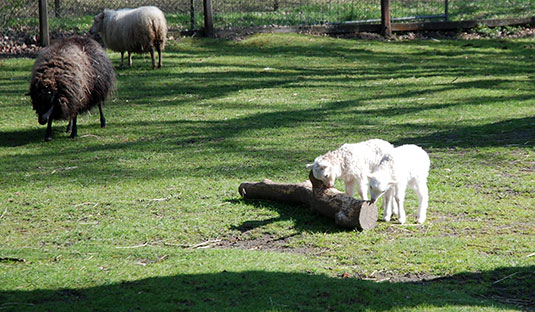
point(122, 59)
point(48, 134)
point(74, 127)
point(102, 119)
point(69, 126)
point(129, 59)
point(151, 51)
point(159, 50)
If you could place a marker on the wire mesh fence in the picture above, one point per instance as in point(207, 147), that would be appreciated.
point(188, 14)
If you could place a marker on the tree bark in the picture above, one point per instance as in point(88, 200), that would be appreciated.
point(346, 211)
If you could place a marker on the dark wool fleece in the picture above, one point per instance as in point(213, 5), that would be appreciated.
point(75, 73)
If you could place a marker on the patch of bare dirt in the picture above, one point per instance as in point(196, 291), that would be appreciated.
point(266, 242)
point(486, 33)
point(18, 43)
point(24, 41)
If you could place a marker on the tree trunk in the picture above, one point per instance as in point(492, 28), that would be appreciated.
point(346, 211)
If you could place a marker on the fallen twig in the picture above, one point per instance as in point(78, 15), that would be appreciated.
point(90, 135)
point(129, 247)
point(508, 276)
point(3, 214)
point(159, 199)
point(7, 259)
point(204, 244)
point(62, 169)
point(530, 255)
point(86, 203)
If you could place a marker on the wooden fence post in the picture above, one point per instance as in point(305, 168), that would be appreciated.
point(57, 8)
point(386, 25)
point(192, 15)
point(446, 13)
point(208, 18)
point(43, 24)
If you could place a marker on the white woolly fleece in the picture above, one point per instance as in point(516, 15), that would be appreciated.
point(351, 162)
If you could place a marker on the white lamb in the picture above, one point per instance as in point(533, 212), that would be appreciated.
point(406, 165)
point(351, 162)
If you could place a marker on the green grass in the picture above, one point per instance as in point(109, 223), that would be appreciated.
point(113, 219)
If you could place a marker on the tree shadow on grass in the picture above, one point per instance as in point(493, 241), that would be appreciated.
point(21, 137)
point(513, 132)
point(304, 219)
point(508, 287)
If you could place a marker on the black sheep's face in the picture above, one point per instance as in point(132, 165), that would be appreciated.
point(98, 21)
point(43, 101)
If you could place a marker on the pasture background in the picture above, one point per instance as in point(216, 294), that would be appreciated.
point(77, 15)
point(145, 213)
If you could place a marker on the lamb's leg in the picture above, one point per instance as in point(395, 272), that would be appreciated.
point(362, 189)
point(122, 59)
point(350, 187)
point(74, 127)
point(387, 203)
point(423, 198)
point(151, 51)
point(129, 59)
point(69, 126)
point(395, 210)
point(159, 50)
point(102, 119)
point(48, 133)
point(400, 198)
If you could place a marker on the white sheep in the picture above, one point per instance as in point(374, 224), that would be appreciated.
point(406, 165)
point(351, 162)
point(138, 30)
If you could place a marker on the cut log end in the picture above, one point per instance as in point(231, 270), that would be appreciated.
point(363, 218)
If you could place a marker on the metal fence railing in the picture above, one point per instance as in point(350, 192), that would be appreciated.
point(188, 14)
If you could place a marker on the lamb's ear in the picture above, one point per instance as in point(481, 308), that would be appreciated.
point(310, 166)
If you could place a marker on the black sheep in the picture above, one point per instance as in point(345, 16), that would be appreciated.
point(69, 78)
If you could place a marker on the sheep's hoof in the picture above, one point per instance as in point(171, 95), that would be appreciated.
point(48, 139)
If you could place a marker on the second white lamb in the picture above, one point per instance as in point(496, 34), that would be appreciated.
point(406, 165)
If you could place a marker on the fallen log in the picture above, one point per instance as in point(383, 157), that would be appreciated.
point(346, 211)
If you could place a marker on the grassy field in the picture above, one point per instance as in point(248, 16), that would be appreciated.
point(145, 214)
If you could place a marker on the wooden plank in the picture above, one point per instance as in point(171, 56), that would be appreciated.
point(429, 26)
point(44, 36)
